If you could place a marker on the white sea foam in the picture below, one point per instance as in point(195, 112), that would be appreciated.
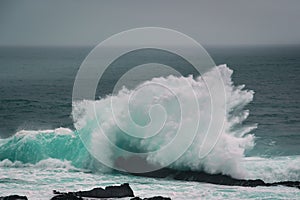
point(144, 114)
point(58, 131)
point(43, 164)
point(282, 168)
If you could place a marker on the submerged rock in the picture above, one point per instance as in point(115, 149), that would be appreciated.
point(14, 197)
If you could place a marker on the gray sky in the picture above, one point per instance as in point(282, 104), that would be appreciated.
point(210, 22)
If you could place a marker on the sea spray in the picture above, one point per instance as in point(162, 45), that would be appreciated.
point(65, 144)
point(93, 117)
point(62, 148)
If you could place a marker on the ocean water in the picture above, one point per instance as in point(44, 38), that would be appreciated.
point(41, 150)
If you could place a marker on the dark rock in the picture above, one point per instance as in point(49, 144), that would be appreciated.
point(14, 197)
point(133, 165)
point(123, 190)
point(218, 179)
point(68, 196)
point(295, 184)
point(95, 192)
point(56, 192)
point(158, 198)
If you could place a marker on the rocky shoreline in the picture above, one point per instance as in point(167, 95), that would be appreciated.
point(124, 190)
point(218, 179)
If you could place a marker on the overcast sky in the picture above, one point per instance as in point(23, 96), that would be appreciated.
point(210, 22)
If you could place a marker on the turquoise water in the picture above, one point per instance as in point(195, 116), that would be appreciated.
point(36, 156)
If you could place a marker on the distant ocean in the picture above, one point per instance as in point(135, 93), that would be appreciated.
point(40, 150)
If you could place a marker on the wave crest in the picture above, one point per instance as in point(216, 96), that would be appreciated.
point(224, 158)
